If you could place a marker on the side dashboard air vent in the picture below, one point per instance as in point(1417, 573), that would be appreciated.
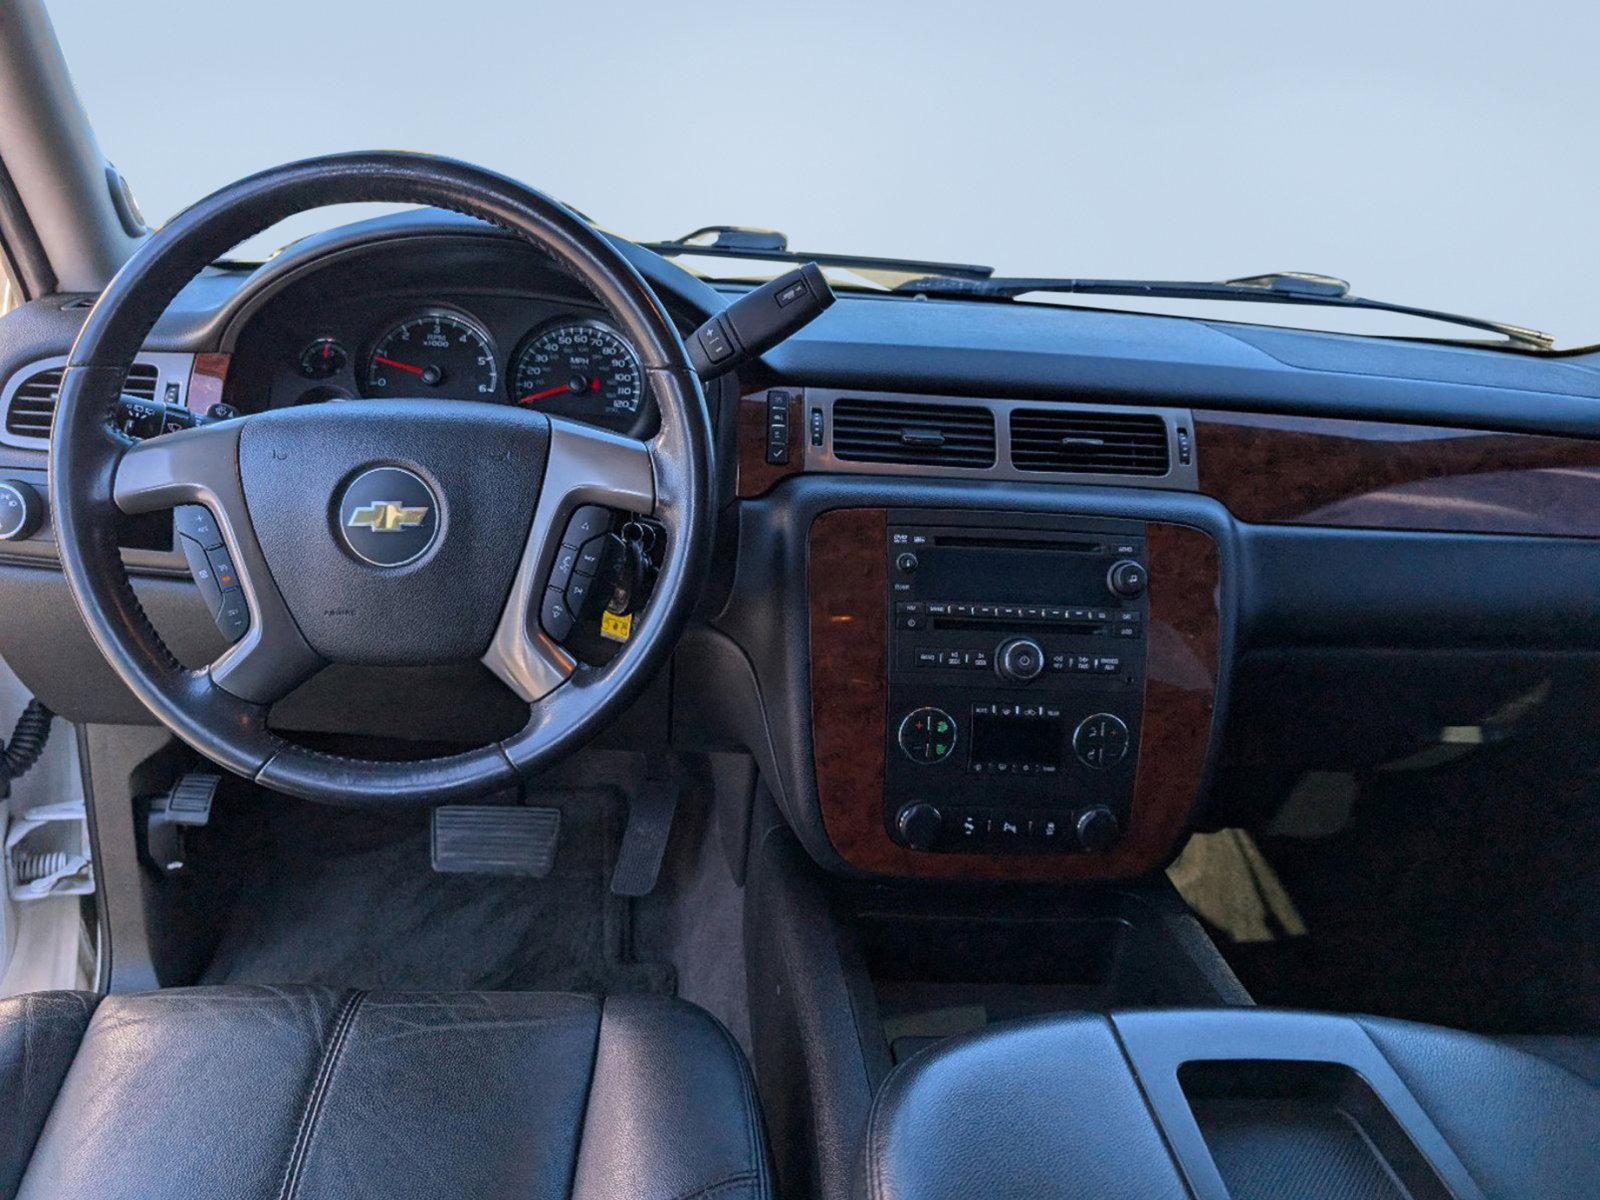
point(1090, 443)
point(33, 404)
point(941, 435)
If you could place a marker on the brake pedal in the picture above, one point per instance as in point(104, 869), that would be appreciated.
point(483, 839)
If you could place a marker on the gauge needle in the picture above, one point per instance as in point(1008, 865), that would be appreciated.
point(546, 394)
point(400, 366)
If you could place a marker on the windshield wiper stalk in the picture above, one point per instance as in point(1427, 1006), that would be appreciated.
point(1283, 287)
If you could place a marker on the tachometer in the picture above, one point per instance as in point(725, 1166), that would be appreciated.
point(579, 369)
point(435, 353)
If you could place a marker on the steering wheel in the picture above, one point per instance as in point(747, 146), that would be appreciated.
point(482, 495)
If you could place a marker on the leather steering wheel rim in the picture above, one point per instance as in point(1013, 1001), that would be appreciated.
point(98, 475)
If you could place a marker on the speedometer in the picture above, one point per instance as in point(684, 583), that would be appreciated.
point(435, 353)
point(579, 369)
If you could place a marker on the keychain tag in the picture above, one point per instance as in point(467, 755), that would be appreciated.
point(616, 628)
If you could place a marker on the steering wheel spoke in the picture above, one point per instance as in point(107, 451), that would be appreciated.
point(586, 466)
point(200, 466)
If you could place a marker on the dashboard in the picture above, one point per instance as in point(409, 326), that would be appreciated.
point(1351, 544)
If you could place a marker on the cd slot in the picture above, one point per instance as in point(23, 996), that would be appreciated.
point(1056, 545)
point(990, 623)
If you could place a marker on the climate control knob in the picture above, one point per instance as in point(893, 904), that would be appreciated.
point(1097, 828)
point(21, 510)
point(920, 825)
point(1021, 660)
point(1126, 578)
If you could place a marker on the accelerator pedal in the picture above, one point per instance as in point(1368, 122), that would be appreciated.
point(644, 842)
point(492, 839)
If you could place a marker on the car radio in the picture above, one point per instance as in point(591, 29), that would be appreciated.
point(1016, 681)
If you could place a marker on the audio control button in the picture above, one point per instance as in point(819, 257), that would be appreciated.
point(1126, 578)
point(1020, 659)
point(1100, 740)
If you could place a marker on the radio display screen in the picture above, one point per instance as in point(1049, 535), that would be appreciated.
point(997, 575)
point(1038, 741)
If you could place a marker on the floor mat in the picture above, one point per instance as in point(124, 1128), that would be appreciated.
point(350, 899)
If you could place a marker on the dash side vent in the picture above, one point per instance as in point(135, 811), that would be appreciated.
point(918, 434)
point(1089, 443)
point(33, 404)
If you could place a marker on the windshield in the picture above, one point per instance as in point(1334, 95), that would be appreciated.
point(1436, 159)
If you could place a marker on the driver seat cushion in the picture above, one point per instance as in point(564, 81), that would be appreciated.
point(298, 1093)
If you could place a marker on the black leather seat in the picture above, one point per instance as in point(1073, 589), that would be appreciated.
point(1295, 1105)
point(234, 1093)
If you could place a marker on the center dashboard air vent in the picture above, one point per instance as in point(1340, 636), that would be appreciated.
point(33, 404)
point(914, 433)
point(1090, 443)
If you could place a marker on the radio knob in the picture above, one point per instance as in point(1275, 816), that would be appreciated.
point(1126, 579)
point(1021, 659)
point(21, 510)
point(920, 825)
point(1097, 827)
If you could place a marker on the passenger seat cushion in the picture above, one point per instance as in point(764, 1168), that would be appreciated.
point(39, 1034)
point(305, 1092)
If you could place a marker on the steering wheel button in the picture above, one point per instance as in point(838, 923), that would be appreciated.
point(578, 588)
point(195, 521)
point(200, 568)
point(566, 560)
point(589, 556)
point(233, 615)
point(222, 569)
point(589, 521)
point(556, 616)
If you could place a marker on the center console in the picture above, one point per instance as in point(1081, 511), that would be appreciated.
point(1016, 682)
point(1009, 695)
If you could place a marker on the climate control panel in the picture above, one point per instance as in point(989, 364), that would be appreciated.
point(1016, 681)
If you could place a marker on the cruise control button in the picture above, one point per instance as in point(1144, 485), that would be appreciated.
point(200, 568)
point(195, 521)
point(222, 568)
point(233, 615)
point(555, 616)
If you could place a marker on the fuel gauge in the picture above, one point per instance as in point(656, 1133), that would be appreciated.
point(323, 358)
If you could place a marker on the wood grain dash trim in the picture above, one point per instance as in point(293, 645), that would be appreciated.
point(1374, 475)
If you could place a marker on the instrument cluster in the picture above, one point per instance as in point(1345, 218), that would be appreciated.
point(567, 364)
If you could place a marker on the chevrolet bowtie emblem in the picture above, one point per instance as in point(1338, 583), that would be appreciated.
point(387, 516)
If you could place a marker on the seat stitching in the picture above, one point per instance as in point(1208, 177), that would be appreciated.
point(588, 1096)
point(301, 1148)
point(732, 1181)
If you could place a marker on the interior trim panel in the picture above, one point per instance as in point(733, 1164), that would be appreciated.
point(850, 662)
point(1380, 475)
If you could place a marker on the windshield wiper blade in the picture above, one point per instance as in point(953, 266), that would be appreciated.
point(1282, 287)
point(768, 245)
